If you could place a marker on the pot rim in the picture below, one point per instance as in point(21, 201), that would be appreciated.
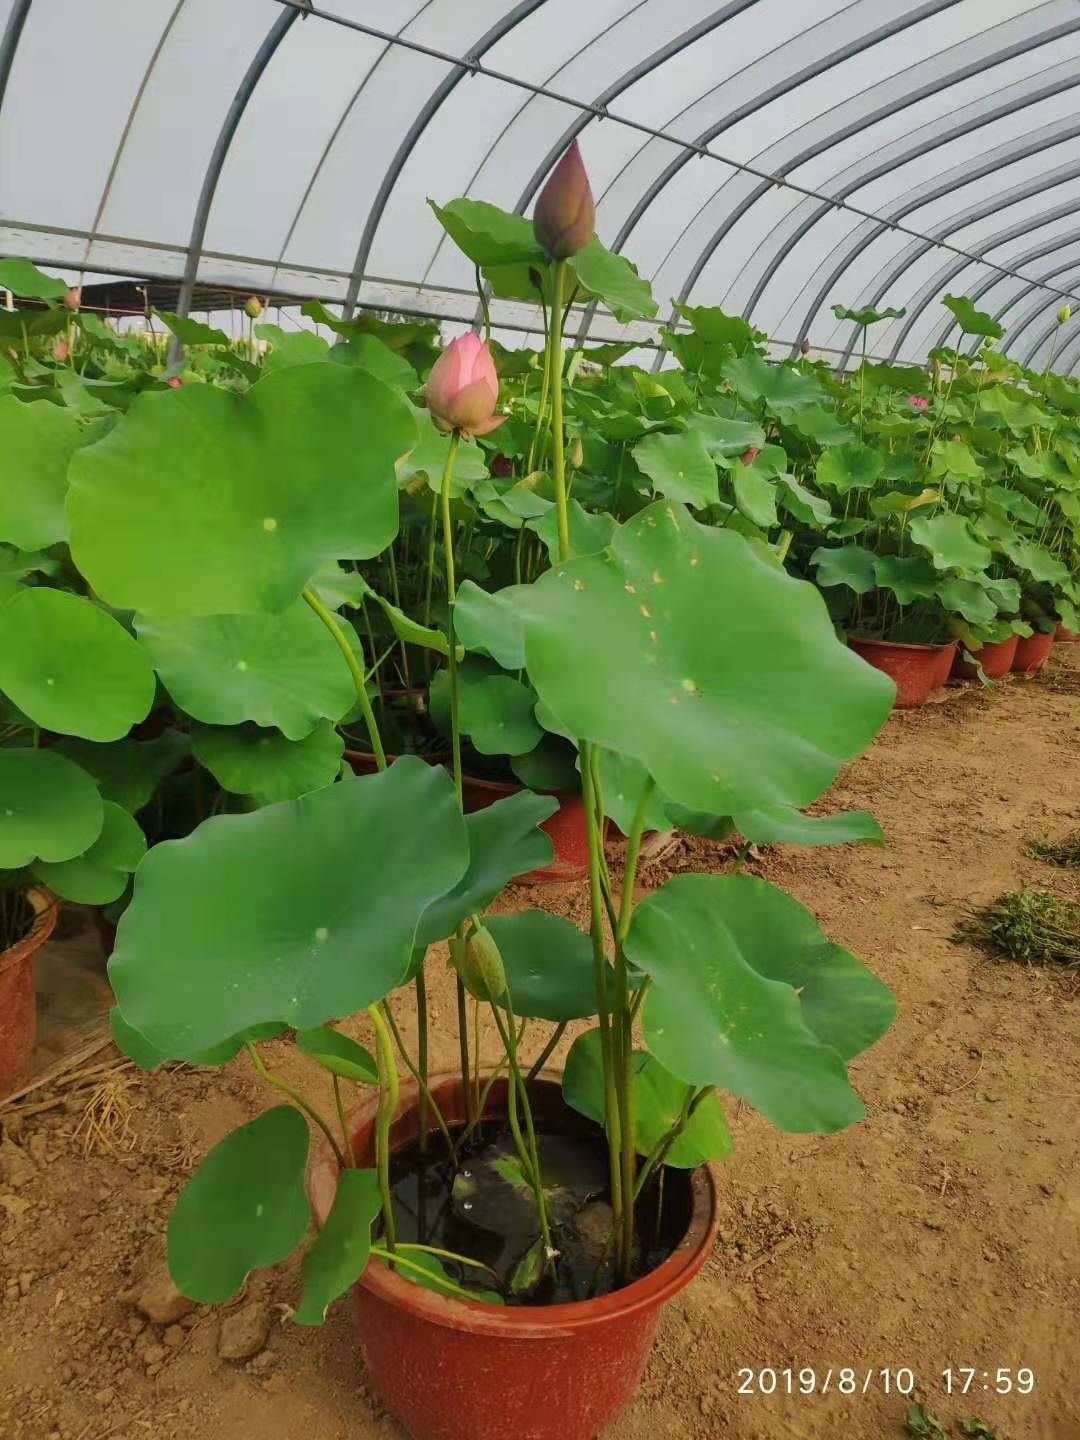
point(903, 644)
point(46, 907)
point(651, 1291)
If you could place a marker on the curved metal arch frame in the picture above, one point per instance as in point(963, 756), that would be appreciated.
point(1036, 253)
point(1028, 317)
point(854, 243)
point(766, 97)
point(934, 288)
point(317, 169)
point(9, 41)
point(1068, 366)
point(1029, 320)
point(837, 137)
point(254, 73)
point(431, 107)
point(1003, 310)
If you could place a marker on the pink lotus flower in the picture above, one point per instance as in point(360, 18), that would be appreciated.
point(749, 456)
point(73, 298)
point(463, 388)
point(564, 220)
point(60, 351)
point(919, 402)
point(175, 383)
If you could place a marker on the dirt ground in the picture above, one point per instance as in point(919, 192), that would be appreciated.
point(942, 1232)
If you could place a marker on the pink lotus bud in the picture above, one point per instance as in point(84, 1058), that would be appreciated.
point(564, 220)
point(501, 467)
point(749, 456)
point(919, 402)
point(463, 388)
point(60, 351)
point(73, 298)
point(175, 382)
point(804, 346)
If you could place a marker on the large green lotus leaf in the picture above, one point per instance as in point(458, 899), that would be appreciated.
point(950, 542)
point(551, 767)
point(27, 282)
point(49, 808)
point(811, 509)
point(867, 315)
point(190, 331)
point(338, 1053)
point(622, 785)
point(1004, 593)
point(428, 458)
point(968, 598)
point(201, 502)
point(338, 1257)
point(613, 280)
point(548, 963)
point(247, 760)
point(782, 387)
point(496, 712)
point(755, 495)
point(405, 627)
point(369, 353)
point(658, 1102)
point(781, 825)
point(1039, 563)
point(100, 874)
point(490, 624)
point(972, 321)
point(848, 565)
point(724, 438)
point(956, 458)
point(291, 347)
point(245, 1207)
point(504, 841)
point(679, 467)
point(302, 911)
point(700, 822)
point(724, 716)
point(128, 771)
point(590, 531)
point(820, 424)
point(71, 667)
point(281, 670)
point(850, 467)
point(747, 994)
point(16, 565)
point(1035, 467)
point(1014, 503)
point(718, 328)
point(135, 1046)
point(488, 235)
point(909, 577)
point(899, 502)
point(36, 442)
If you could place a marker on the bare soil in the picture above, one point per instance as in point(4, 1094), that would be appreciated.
point(942, 1232)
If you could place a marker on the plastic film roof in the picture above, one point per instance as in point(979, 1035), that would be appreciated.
point(768, 156)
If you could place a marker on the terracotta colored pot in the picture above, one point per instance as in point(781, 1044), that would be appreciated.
point(452, 1370)
point(566, 829)
point(996, 660)
point(1064, 636)
point(918, 670)
point(18, 1002)
point(1032, 653)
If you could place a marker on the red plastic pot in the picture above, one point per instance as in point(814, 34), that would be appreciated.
point(566, 829)
point(996, 660)
point(917, 670)
point(452, 1370)
point(362, 763)
point(18, 1003)
point(1032, 653)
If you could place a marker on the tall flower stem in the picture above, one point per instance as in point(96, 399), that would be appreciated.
point(388, 1103)
point(455, 730)
point(558, 437)
point(527, 1146)
point(355, 670)
point(298, 1100)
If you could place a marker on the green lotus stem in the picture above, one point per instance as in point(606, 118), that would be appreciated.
point(546, 1053)
point(429, 574)
point(427, 1099)
point(529, 1150)
point(481, 290)
point(420, 988)
point(448, 1255)
point(388, 1103)
point(429, 1275)
point(633, 851)
point(499, 1068)
point(355, 671)
point(558, 437)
point(395, 591)
point(299, 1101)
point(662, 1148)
point(451, 597)
point(349, 1152)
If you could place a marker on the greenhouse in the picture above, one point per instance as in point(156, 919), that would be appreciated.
point(539, 731)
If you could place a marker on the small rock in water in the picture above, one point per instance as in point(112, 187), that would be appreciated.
point(244, 1333)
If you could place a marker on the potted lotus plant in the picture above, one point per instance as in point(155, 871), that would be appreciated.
point(525, 1228)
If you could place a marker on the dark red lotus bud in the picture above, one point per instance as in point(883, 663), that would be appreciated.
point(564, 220)
point(804, 346)
point(749, 456)
point(501, 467)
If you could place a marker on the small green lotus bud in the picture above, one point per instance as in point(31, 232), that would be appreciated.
point(576, 458)
point(253, 307)
point(1064, 314)
point(481, 967)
